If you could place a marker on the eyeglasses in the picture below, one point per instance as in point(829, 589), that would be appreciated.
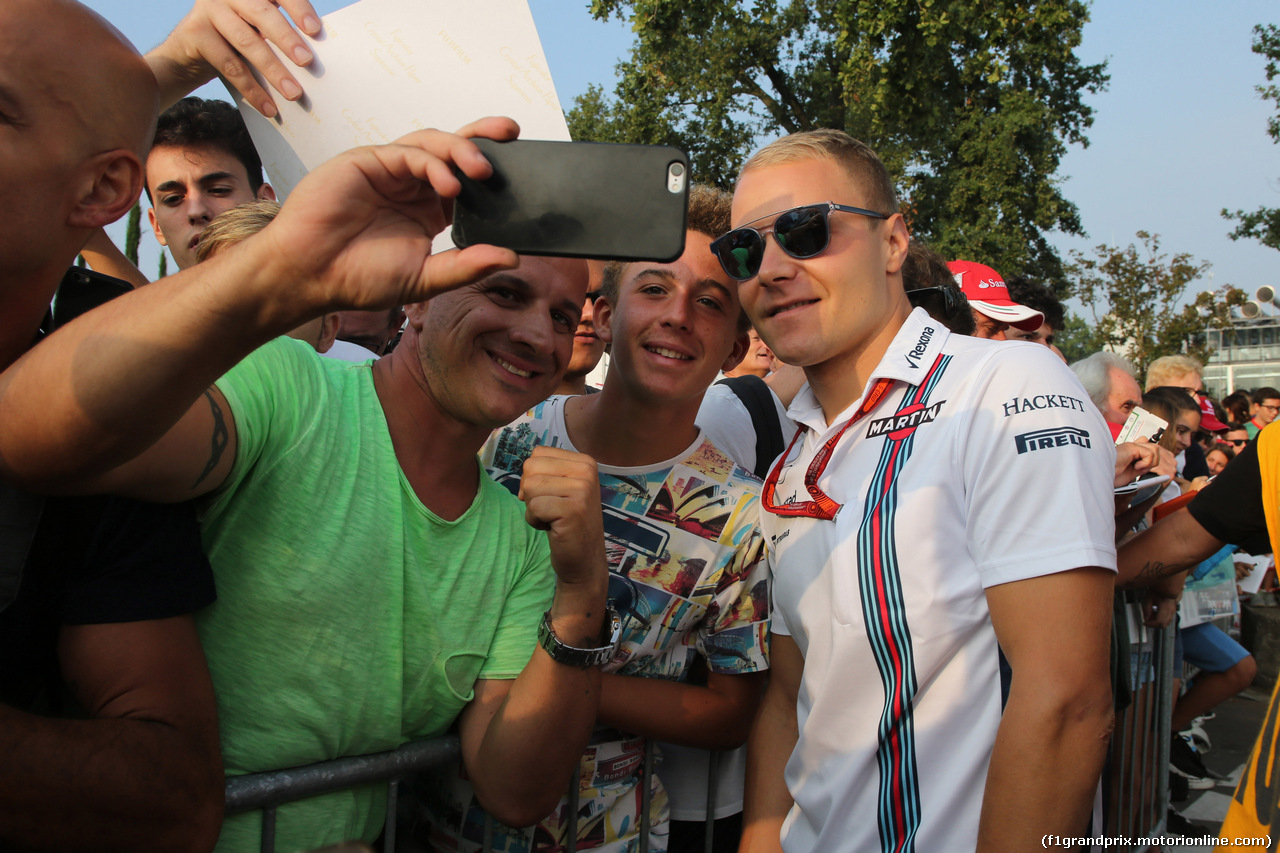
point(950, 298)
point(1269, 408)
point(593, 295)
point(802, 232)
point(1238, 442)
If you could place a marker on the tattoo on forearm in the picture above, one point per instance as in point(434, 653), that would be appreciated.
point(1153, 571)
point(220, 439)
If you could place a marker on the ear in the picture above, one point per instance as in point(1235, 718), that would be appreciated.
point(266, 193)
point(155, 227)
point(328, 332)
point(897, 240)
point(739, 351)
point(601, 316)
point(111, 184)
point(416, 313)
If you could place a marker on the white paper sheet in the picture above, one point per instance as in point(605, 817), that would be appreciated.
point(1260, 565)
point(384, 68)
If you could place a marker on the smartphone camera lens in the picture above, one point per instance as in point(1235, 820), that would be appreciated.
point(675, 177)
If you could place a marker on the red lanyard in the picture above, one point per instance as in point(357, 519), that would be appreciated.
point(822, 506)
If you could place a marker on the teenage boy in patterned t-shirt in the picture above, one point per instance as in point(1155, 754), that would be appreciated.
point(680, 520)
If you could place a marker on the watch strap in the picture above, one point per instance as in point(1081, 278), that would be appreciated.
point(562, 652)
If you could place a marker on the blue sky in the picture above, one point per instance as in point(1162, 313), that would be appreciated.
point(1179, 134)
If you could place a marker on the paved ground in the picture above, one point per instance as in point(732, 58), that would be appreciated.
point(1232, 732)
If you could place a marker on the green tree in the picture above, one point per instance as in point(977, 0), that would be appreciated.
point(1263, 224)
point(1134, 293)
point(1075, 339)
point(164, 265)
point(971, 106)
point(133, 233)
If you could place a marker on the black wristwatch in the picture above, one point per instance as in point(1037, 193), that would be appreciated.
point(572, 655)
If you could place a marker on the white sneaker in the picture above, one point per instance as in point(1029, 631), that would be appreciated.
point(1198, 735)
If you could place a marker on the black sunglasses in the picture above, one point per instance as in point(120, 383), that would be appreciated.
point(950, 298)
point(802, 232)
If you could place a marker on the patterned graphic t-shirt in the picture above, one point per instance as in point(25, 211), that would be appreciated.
point(688, 578)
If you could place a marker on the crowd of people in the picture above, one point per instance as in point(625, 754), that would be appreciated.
point(840, 514)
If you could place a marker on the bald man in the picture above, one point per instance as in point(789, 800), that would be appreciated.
point(77, 123)
point(123, 400)
point(96, 594)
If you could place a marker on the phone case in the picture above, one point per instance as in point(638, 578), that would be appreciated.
point(577, 199)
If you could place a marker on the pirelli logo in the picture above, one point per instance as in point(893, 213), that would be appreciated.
point(1047, 439)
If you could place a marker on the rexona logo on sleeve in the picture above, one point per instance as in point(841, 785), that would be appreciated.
point(1047, 439)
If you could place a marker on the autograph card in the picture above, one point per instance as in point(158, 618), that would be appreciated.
point(384, 68)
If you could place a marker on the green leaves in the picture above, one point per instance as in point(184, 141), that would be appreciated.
point(971, 106)
point(1133, 294)
point(1263, 224)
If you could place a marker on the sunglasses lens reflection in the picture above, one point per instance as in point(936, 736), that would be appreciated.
point(740, 253)
point(802, 232)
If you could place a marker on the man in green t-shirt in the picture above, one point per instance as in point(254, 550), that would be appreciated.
point(374, 582)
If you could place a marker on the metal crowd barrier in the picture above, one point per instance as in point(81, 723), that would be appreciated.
point(1138, 768)
point(1137, 782)
point(267, 791)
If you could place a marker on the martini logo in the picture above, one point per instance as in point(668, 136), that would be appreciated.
point(1047, 439)
point(904, 423)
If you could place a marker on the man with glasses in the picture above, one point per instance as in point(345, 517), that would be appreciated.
point(1236, 437)
point(1266, 405)
point(1176, 371)
point(905, 541)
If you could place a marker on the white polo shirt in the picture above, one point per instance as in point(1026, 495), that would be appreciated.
point(984, 463)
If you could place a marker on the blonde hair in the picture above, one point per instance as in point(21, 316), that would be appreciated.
point(1167, 368)
point(854, 156)
point(232, 226)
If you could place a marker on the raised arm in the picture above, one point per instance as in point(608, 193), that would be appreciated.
point(522, 739)
point(228, 38)
point(103, 256)
point(1054, 732)
point(356, 233)
point(773, 738)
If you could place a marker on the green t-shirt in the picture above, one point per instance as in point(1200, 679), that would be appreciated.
point(350, 618)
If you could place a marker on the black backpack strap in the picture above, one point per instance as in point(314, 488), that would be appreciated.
point(758, 399)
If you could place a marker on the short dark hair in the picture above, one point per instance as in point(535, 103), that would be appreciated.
point(1265, 393)
point(1038, 297)
point(1176, 398)
point(923, 268)
point(209, 123)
